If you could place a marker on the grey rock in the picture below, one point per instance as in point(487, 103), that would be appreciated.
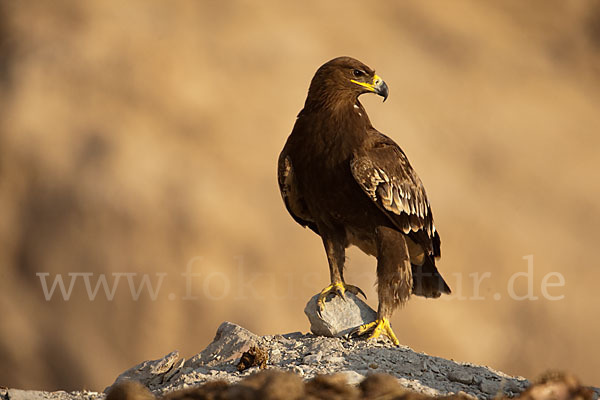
point(511, 386)
point(312, 358)
point(353, 377)
point(293, 335)
point(300, 354)
point(335, 360)
point(152, 373)
point(339, 316)
point(461, 376)
point(230, 342)
point(417, 386)
point(490, 387)
point(325, 346)
point(275, 356)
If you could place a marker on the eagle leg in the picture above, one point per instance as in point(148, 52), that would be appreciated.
point(375, 329)
point(394, 282)
point(336, 254)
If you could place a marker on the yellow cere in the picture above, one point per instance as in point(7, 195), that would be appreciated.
point(370, 86)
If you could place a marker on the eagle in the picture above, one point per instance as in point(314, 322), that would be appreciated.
point(352, 185)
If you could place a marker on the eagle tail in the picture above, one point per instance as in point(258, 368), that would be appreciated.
point(427, 281)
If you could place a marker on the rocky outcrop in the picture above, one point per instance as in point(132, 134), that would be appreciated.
point(308, 357)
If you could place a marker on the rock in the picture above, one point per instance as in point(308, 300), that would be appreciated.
point(335, 360)
point(230, 342)
point(339, 316)
point(152, 373)
point(352, 377)
point(461, 376)
point(490, 387)
point(512, 386)
point(275, 356)
point(293, 335)
point(312, 358)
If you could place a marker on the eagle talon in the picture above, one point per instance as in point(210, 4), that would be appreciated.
point(339, 289)
point(355, 290)
point(374, 330)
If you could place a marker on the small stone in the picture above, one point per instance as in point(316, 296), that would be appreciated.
point(293, 335)
point(373, 366)
point(461, 376)
point(352, 377)
point(490, 387)
point(335, 360)
point(512, 386)
point(312, 358)
point(298, 370)
point(339, 316)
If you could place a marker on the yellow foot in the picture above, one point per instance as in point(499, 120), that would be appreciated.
point(339, 289)
point(376, 329)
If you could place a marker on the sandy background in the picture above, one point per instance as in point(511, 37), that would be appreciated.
point(142, 137)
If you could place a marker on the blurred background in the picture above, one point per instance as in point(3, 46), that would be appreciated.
point(141, 137)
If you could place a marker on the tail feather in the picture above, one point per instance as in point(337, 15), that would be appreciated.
point(427, 281)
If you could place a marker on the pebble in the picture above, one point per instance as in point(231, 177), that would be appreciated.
point(353, 377)
point(312, 358)
point(490, 387)
point(511, 386)
point(336, 360)
point(461, 376)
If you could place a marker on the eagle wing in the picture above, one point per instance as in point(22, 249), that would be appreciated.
point(292, 198)
point(383, 172)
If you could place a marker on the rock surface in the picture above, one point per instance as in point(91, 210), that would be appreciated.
point(309, 356)
point(230, 342)
point(152, 374)
point(339, 316)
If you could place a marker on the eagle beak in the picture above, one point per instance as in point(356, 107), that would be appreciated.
point(381, 88)
point(378, 86)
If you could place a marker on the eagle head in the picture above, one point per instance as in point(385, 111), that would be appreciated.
point(346, 78)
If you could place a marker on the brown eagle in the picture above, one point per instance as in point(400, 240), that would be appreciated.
point(352, 185)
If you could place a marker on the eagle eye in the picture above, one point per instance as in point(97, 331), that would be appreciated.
point(358, 73)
